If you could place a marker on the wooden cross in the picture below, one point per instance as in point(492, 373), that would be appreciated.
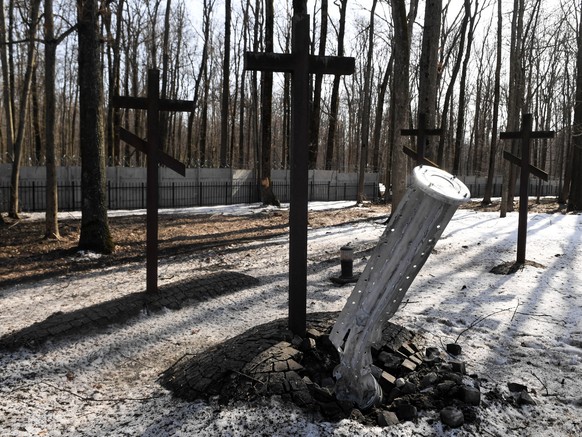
point(155, 156)
point(422, 132)
point(525, 135)
point(300, 64)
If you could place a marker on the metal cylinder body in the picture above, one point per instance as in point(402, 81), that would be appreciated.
point(411, 233)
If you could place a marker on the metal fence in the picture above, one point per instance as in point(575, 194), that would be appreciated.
point(32, 196)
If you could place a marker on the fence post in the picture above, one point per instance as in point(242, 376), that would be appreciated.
point(173, 194)
point(108, 194)
point(200, 192)
point(142, 196)
point(33, 196)
point(72, 207)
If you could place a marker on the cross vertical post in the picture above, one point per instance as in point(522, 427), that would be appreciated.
point(525, 135)
point(421, 133)
point(152, 195)
point(299, 172)
point(300, 64)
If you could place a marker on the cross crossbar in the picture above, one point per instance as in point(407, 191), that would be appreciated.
point(286, 63)
point(532, 168)
point(142, 103)
point(142, 146)
point(421, 133)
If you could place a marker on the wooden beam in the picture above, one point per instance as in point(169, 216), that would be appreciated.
point(141, 145)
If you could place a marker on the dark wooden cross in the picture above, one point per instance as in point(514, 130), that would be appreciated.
point(525, 135)
point(300, 64)
point(155, 156)
point(421, 133)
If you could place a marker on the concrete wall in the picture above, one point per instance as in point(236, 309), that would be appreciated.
point(201, 186)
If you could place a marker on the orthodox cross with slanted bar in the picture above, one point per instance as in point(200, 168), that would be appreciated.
point(300, 64)
point(421, 133)
point(525, 135)
point(155, 156)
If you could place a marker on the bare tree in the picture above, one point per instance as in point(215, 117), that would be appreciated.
point(428, 70)
point(95, 233)
point(268, 197)
point(575, 198)
point(315, 117)
point(367, 97)
point(225, 87)
point(22, 113)
point(496, 98)
point(334, 105)
point(400, 95)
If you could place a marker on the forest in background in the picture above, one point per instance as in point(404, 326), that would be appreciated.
point(518, 56)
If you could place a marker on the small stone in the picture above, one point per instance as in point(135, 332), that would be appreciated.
point(470, 395)
point(386, 418)
point(307, 344)
point(322, 394)
point(459, 367)
point(452, 417)
point(390, 362)
point(406, 349)
point(428, 380)
point(313, 333)
point(387, 382)
point(415, 360)
point(408, 388)
point(406, 412)
point(454, 349)
point(407, 366)
point(525, 399)
point(392, 395)
point(294, 365)
point(400, 382)
point(446, 387)
point(515, 387)
point(280, 366)
point(357, 416)
point(432, 353)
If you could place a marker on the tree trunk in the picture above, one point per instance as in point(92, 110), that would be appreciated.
point(24, 98)
point(575, 198)
point(514, 101)
point(400, 100)
point(334, 105)
point(225, 88)
point(267, 195)
point(495, 121)
point(428, 71)
point(459, 136)
point(365, 120)
point(316, 107)
point(52, 205)
point(95, 233)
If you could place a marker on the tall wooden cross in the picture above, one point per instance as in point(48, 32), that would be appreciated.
point(525, 135)
point(300, 64)
point(422, 132)
point(155, 156)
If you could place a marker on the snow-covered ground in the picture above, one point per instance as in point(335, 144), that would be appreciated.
point(529, 331)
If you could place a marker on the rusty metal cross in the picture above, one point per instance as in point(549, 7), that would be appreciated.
point(525, 135)
point(421, 133)
point(300, 64)
point(155, 156)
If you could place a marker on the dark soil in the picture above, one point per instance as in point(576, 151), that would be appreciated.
point(26, 256)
